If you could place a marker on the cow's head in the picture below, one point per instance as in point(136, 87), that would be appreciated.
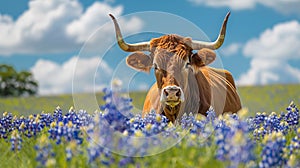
point(174, 62)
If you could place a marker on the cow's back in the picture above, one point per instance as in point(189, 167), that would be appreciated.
point(220, 90)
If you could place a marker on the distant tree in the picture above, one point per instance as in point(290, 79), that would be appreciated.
point(13, 83)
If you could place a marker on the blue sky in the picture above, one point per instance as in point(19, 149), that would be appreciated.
point(47, 37)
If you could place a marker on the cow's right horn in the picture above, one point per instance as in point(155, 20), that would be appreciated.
point(143, 46)
point(197, 45)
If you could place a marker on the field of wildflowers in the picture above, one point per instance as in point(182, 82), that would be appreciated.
point(115, 137)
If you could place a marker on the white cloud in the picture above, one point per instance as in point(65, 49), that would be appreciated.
point(284, 6)
point(54, 78)
point(271, 53)
point(52, 26)
point(282, 41)
point(40, 28)
point(233, 4)
point(231, 49)
point(265, 71)
point(143, 86)
point(93, 18)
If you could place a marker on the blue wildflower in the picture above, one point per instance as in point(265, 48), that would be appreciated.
point(33, 126)
point(294, 146)
point(273, 150)
point(6, 125)
point(44, 151)
point(57, 114)
point(46, 119)
point(292, 115)
point(72, 150)
point(233, 143)
point(16, 141)
point(124, 162)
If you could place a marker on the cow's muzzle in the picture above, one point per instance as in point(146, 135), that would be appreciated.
point(172, 95)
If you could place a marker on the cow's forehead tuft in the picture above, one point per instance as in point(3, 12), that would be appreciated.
point(167, 41)
point(171, 45)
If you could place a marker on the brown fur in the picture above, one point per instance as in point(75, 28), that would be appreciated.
point(210, 82)
point(203, 86)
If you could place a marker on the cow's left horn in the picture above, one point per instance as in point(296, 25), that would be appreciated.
point(197, 45)
point(143, 46)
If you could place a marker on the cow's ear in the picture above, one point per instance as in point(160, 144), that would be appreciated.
point(139, 61)
point(203, 57)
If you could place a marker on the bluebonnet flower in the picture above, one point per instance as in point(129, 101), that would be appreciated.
point(16, 141)
point(198, 125)
point(116, 110)
point(135, 123)
point(78, 119)
point(273, 150)
point(233, 142)
point(6, 125)
point(96, 152)
point(59, 131)
point(259, 119)
point(241, 150)
point(221, 137)
point(83, 118)
point(272, 123)
point(211, 116)
point(293, 149)
point(263, 124)
point(284, 127)
point(72, 150)
point(57, 114)
point(187, 120)
point(98, 134)
point(125, 161)
point(292, 115)
point(153, 123)
point(33, 126)
point(46, 119)
point(44, 151)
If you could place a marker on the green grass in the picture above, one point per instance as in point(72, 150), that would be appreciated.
point(256, 99)
point(269, 98)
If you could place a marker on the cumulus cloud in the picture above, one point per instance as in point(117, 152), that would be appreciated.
point(57, 26)
point(93, 18)
point(233, 4)
point(143, 86)
point(56, 78)
point(231, 49)
point(265, 71)
point(284, 6)
point(40, 28)
point(282, 41)
point(271, 53)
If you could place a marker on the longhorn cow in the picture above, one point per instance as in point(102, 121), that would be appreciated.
point(184, 81)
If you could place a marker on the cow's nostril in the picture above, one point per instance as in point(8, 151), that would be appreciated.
point(166, 93)
point(178, 93)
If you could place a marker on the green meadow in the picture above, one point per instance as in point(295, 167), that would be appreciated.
point(255, 98)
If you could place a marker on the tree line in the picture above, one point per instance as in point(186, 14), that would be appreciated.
point(14, 83)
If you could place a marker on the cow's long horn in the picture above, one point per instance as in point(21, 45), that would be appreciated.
point(197, 45)
point(143, 46)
